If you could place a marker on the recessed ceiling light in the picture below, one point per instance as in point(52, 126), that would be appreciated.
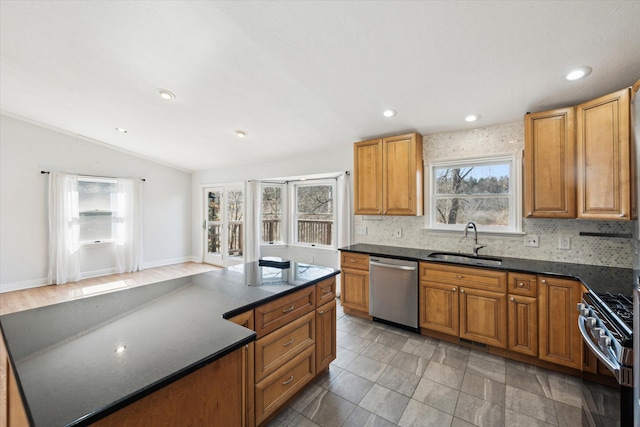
point(578, 73)
point(165, 94)
point(472, 117)
point(241, 133)
point(121, 130)
point(389, 113)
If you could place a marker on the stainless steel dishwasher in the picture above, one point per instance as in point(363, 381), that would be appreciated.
point(393, 291)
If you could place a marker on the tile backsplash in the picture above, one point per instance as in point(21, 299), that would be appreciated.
point(508, 138)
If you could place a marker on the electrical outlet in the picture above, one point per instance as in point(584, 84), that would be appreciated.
point(397, 232)
point(564, 242)
point(532, 240)
point(362, 231)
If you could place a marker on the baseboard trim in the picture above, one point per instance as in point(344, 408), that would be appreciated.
point(35, 283)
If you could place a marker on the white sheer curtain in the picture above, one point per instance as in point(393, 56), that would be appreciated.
point(344, 216)
point(253, 223)
point(64, 229)
point(128, 226)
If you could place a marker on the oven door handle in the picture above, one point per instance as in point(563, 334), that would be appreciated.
point(613, 367)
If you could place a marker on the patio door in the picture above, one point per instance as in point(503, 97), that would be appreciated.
point(224, 224)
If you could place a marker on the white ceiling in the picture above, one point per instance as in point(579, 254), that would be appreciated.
point(302, 77)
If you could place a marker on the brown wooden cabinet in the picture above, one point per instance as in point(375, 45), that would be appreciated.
point(246, 319)
point(325, 335)
point(549, 178)
point(388, 176)
point(355, 283)
point(522, 309)
point(560, 339)
point(465, 302)
point(604, 164)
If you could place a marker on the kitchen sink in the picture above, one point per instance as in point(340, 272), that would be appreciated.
point(466, 259)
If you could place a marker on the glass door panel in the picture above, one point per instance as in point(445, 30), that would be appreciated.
point(223, 225)
point(213, 226)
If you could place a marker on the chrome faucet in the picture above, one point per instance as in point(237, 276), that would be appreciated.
point(476, 246)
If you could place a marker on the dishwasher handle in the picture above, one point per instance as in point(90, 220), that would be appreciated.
point(396, 267)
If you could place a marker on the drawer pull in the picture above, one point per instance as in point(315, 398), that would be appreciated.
point(458, 276)
point(321, 312)
point(520, 284)
point(326, 291)
point(287, 382)
point(288, 343)
point(512, 299)
point(543, 281)
point(462, 291)
point(453, 289)
point(287, 310)
point(353, 260)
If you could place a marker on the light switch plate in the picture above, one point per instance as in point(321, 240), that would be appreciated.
point(397, 232)
point(362, 231)
point(564, 242)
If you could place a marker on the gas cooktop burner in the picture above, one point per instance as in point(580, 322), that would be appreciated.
point(621, 305)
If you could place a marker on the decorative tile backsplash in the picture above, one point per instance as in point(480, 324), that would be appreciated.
point(508, 138)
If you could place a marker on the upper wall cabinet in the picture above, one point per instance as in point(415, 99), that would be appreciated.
point(579, 161)
point(604, 157)
point(388, 176)
point(549, 145)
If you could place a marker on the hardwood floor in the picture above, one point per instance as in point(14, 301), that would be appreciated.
point(11, 302)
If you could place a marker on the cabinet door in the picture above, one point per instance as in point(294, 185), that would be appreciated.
point(603, 157)
point(560, 339)
point(325, 335)
point(355, 289)
point(549, 151)
point(367, 177)
point(402, 175)
point(248, 382)
point(523, 324)
point(483, 316)
point(439, 307)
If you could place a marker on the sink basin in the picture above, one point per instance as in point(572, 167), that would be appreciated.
point(466, 259)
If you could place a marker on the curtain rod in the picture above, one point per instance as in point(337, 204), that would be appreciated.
point(96, 176)
point(296, 180)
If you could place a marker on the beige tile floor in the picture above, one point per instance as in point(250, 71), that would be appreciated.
point(384, 376)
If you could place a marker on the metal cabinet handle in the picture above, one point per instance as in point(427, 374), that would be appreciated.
point(287, 310)
point(288, 343)
point(520, 284)
point(462, 291)
point(512, 299)
point(622, 215)
point(543, 281)
point(326, 291)
point(458, 276)
point(288, 381)
point(321, 313)
point(453, 289)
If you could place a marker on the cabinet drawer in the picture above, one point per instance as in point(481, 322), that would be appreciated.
point(274, 349)
point(522, 284)
point(274, 314)
point(277, 388)
point(354, 260)
point(325, 291)
point(478, 278)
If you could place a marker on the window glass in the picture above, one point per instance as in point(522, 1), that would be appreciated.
point(272, 213)
point(480, 190)
point(235, 213)
point(97, 202)
point(315, 213)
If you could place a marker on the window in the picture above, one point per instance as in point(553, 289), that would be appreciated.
point(97, 206)
point(314, 213)
point(272, 214)
point(235, 221)
point(483, 190)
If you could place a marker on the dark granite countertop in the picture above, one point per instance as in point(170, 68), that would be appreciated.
point(78, 361)
point(597, 278)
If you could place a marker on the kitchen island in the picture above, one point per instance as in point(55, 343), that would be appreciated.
point(77, 362)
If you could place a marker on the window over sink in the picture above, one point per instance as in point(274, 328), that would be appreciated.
point(486, 190)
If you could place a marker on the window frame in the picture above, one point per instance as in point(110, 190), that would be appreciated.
point(114, 210)
point(293, 229)
point(514, 160)
point(284, 224)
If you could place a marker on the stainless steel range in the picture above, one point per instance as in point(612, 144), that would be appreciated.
point(606, 324)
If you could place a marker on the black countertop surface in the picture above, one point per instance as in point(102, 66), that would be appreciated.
point(81, 360)
point(597, 278)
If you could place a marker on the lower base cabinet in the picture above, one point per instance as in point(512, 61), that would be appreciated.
point(523, 324)
point(325, 335)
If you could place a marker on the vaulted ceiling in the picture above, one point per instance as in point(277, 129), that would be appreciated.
point(303, 77)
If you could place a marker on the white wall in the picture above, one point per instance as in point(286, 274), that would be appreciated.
point(339, 159)
point(26, 149)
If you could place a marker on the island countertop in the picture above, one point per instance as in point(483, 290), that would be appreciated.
point(78, 361)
